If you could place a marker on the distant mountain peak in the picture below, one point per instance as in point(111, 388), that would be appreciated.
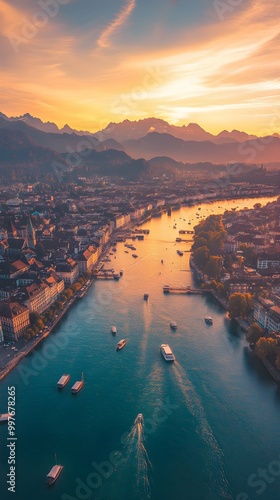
point(194, 126)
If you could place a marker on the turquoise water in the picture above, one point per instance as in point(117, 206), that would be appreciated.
point(211, 419)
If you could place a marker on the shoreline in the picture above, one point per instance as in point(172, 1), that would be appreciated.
point(29, 347)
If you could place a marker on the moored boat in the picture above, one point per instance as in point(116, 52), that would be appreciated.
point(114, 329)
point(121, 344)
point(208, 320)
point(63, 381)
point(179, 252)
point(134, 255)
point(78, 385)
point(167, 352)
point(4, 417)
point(173, 325)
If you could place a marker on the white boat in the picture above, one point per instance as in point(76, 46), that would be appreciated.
point(208, 320)
point(139, 419)
point(121, 344)
point(63, 381)
point(54, 473)
point(146, 296)
point(78, 385)
point(166, 352)
point(173, 325)
point(4, 417)
point(114, 329)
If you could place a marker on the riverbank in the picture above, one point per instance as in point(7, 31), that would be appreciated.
point(198, 399)
point(26, 349)
point(32, 344)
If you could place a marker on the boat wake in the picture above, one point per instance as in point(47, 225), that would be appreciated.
point(214, 456)
point(132, 474)
point(138, 458)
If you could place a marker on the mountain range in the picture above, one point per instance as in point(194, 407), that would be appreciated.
point(146, 146)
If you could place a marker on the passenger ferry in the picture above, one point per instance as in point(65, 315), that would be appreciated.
point(114, 329)
point(121, 344)
point(208, 320)
point(173, 325)
point(167, 353)
point(53, 474)
point(78, 385)
point(63, 381)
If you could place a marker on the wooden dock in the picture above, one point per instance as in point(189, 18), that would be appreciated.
point(183, 290)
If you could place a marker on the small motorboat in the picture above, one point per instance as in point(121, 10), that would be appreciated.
point(173, 325)
point(139, 419)
point(121, 344)
point(208, 320)
point(114, 329)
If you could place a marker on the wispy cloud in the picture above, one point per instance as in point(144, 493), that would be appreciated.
point(105, 37)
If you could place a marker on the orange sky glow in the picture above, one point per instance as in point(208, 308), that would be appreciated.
point(74, 66)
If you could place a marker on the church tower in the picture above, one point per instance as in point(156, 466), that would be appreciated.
point(31, 236)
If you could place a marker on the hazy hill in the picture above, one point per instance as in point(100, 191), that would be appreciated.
point(21, 160)
point(61, 143)
point(154, 144)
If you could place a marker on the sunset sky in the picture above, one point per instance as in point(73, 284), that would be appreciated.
point(90, 62)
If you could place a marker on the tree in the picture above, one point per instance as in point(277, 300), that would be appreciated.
point(34, 316)
point(213, 267)
point(265, 347)
point(201, 256)
point(249, 254)
point(240, 305)
point(39, 324)
point(199, 242)
point(254, 332)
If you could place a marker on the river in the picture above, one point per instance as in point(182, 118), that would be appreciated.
point(211, 418)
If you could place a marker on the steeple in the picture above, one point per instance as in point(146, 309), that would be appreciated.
point(31, 236)
point(12, 232)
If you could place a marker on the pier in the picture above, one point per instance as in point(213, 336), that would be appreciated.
point(179, 240)
point(183, 290)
